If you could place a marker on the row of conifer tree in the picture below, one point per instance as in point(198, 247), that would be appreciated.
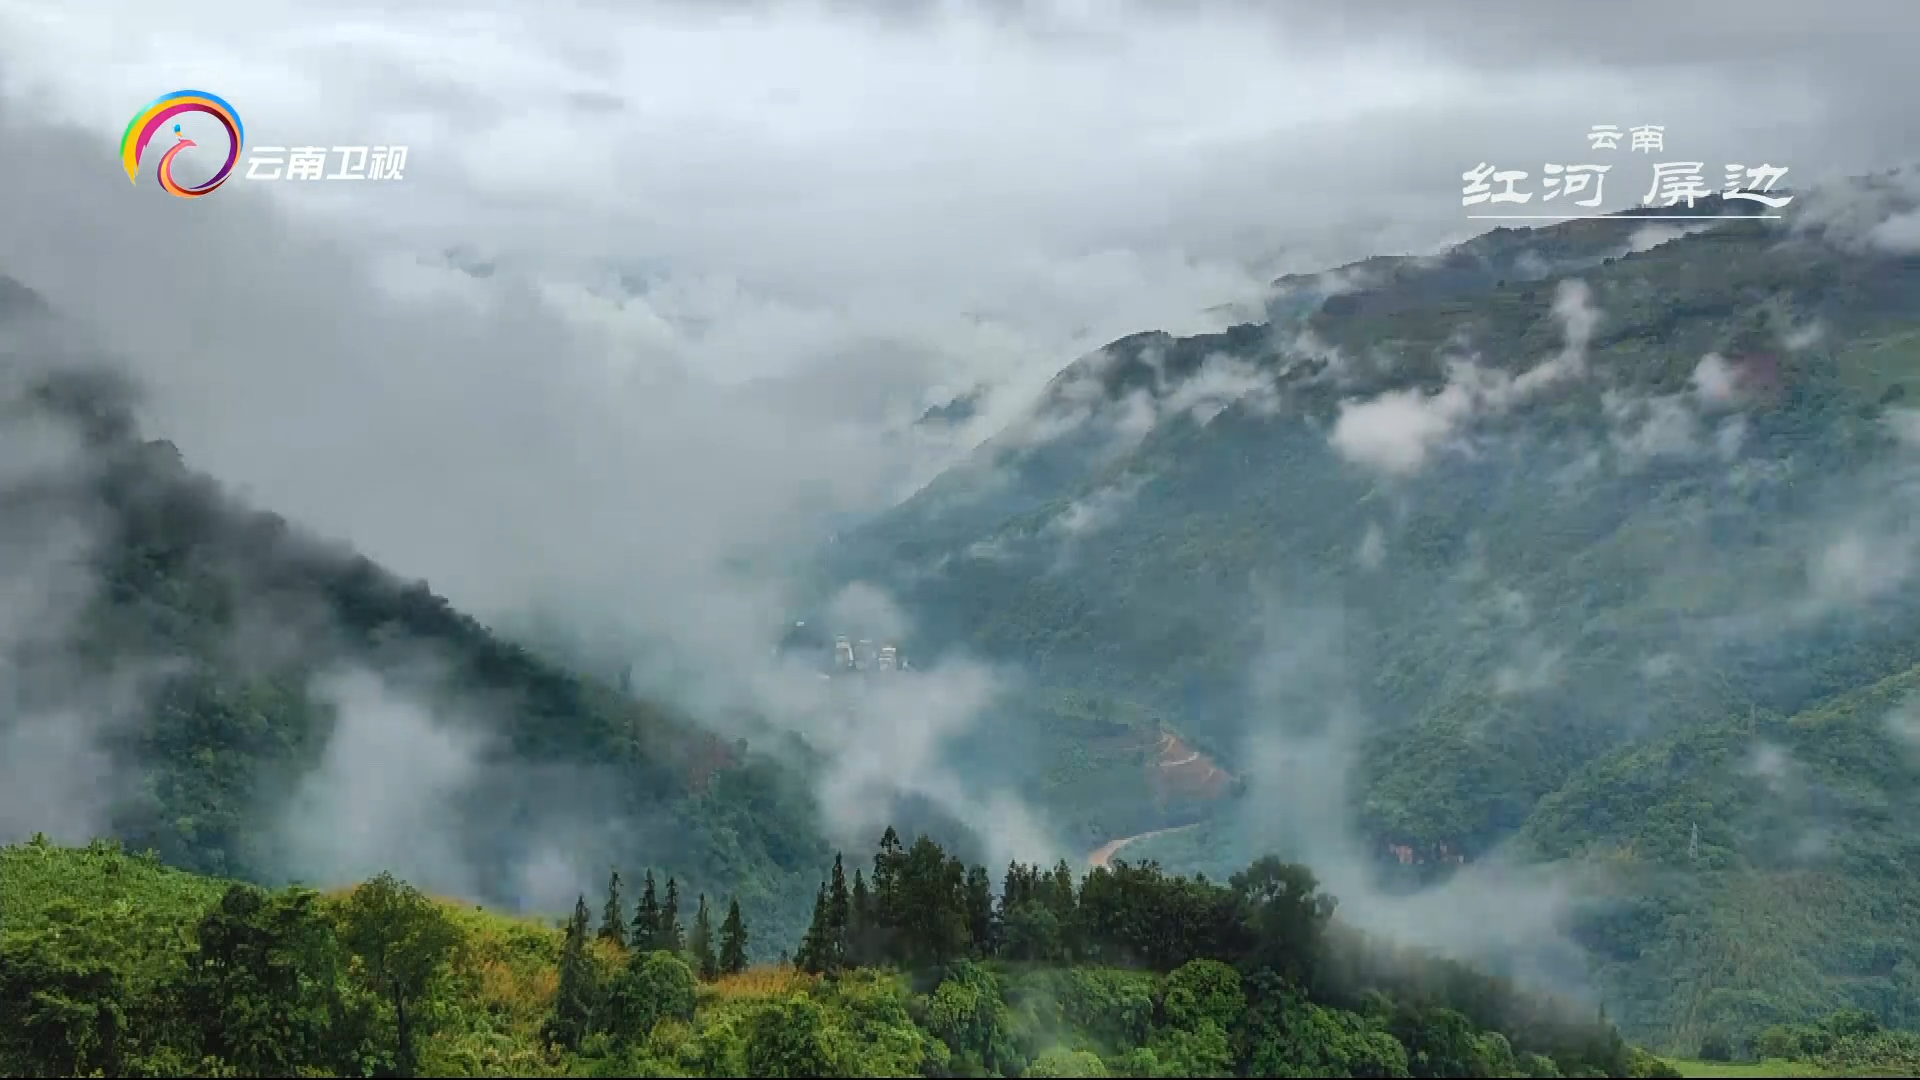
point(655, 927)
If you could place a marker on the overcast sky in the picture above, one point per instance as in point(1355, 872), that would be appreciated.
point(871, 202)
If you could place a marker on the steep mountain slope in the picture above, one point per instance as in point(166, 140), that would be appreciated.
point(1770, 865)
point(1055, 450)
point(1479, 526)
point(199, 678)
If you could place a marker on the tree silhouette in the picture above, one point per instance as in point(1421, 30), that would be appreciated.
point(733, 941)
point(701, 943)
point(670, 937)
point(812, 956)
point(613, 921)
point(839, 916)
point(645, 937)
point(404, 942)
point(574, 999)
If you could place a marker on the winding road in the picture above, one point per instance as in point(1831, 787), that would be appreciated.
point(1104, 854)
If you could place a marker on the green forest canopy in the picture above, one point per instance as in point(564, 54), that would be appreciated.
point(112, 963)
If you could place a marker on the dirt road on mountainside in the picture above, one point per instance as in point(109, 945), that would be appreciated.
point(1186, 768)
point(1104, 854)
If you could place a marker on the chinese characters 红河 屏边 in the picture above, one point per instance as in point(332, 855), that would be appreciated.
point(1674, 182)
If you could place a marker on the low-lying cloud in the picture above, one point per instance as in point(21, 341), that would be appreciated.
point(481, 440)
point(388, 783)
point(1398, 431)
point(1300, 762)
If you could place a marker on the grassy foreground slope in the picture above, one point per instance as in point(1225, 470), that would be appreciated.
point(111, 964)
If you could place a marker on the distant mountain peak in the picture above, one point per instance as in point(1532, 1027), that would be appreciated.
point(16, 299)
point(959, 410)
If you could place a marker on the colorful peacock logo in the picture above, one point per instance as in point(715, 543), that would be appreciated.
point(164, 110)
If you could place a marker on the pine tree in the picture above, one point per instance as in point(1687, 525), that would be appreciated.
point(1017, 889)
point(1063, 899)
point(1061, 890)
point(812, 957)
point(573, 1002)
point(887, 864)
point(860, 923)
point(702, 944)
point(733, 941)
point(839, 913)
point(952, 930)
point(980, 926)
point(646, 920)
point(671, 937)
point(613, 921)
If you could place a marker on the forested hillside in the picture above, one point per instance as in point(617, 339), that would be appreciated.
point(1545, 541)
point(201, 679)
point(113, 965)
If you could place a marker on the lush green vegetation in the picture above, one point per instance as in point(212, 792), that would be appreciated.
point(1797, 899)
point(111, 964)
point(1573, 640)
point(1766, 1069)
point(1848, 1043)
point(1791, 903)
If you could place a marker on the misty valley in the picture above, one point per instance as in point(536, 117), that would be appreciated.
point(1497, 661)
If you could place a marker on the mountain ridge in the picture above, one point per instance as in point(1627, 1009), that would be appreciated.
point(273, 679)
point(1473, 532)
